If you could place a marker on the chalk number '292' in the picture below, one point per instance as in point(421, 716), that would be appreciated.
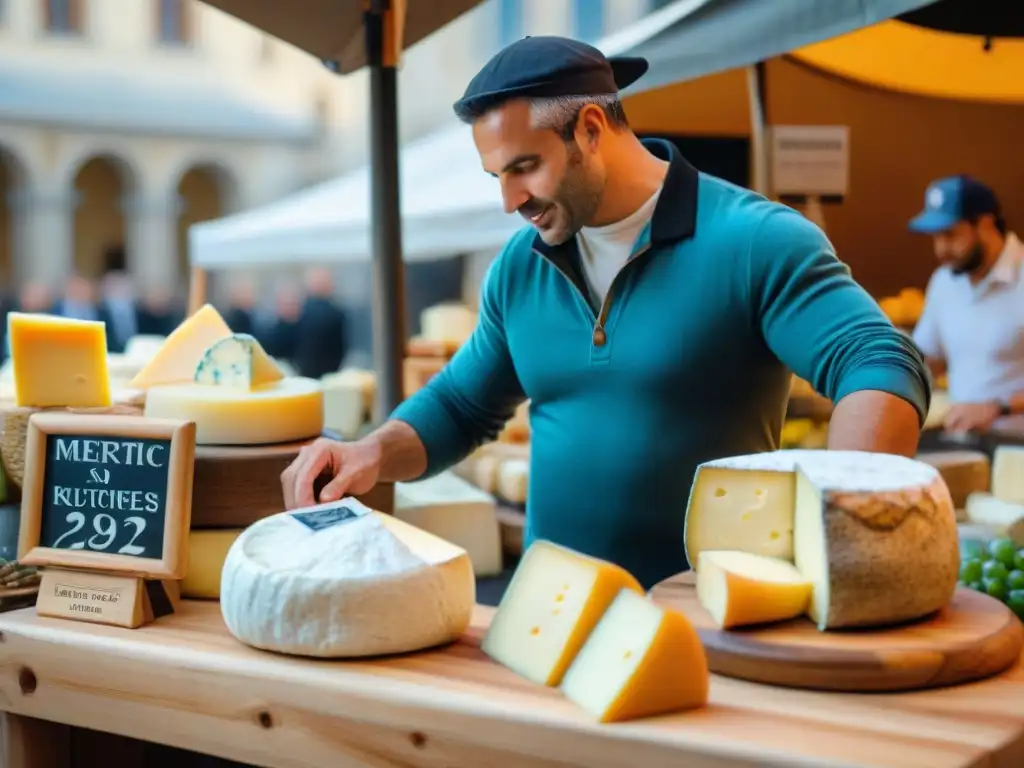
point(106, 531)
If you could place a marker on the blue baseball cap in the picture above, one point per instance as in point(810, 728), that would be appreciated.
point(546, 65)
point(951, 200)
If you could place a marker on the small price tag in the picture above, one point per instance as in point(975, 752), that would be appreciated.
point(333, 513)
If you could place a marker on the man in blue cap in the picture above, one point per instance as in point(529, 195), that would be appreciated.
point(651, 314)
point(972, 328)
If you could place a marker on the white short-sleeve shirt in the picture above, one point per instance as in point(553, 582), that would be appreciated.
point(978, 329)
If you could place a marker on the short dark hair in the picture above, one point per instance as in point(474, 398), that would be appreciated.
point(557, 113)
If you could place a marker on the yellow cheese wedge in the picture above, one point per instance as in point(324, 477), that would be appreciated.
point(739, 588)
point(291, 409)
point(58, 361)
point(177, 359)
point(555, 599)
point(641, 660)
point(207, 551)
point(1008, 473)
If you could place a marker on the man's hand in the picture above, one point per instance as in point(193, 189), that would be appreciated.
point(354, 469)
point(971, 417)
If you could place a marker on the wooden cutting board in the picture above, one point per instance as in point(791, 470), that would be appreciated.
point(974, 637)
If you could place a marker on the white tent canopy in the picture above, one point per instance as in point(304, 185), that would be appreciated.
point(449, 206)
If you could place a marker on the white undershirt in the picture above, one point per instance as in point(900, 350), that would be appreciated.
point(603, 250)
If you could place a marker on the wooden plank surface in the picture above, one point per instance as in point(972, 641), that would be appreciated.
point(972, 638)
point(184, 681)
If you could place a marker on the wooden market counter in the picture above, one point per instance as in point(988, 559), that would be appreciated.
point(184, 681)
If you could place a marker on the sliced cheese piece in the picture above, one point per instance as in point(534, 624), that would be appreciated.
point(874, 533)
point(641, 660)
point(452, 509)
point(1008, 473)
point(1000, 517)
point(348, 400)
point(341, 580)
point(514, 480)
point(181, 352)
point(739, 589)
point(963, 471)
point(237, 361)
point(553, 602)
point(207, 551)
point(58, 361)
point(288, 410)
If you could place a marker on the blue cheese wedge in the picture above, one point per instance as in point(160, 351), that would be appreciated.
point(237, 361)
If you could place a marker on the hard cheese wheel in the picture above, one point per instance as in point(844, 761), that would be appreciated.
point(875, 534)
point(346, 582)
point(965, 472)
point(207, 551)
point(290, 409)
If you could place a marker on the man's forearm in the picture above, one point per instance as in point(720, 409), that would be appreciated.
point(402, 453)
point(870, 420)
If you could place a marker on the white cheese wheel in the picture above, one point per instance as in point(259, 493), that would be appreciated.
point(874, 533)
point(350, 582)
point(453, 323)
point(285, 411)
point(514, 480)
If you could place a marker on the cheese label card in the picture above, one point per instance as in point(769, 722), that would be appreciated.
point(333, 513)
point(107, 493)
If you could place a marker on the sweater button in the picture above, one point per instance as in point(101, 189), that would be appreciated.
point(599, 337)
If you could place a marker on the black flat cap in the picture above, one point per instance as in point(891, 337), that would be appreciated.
point(547, 66)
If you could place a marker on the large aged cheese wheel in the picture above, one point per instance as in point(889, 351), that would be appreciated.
point(874, 533)
point(14, 431)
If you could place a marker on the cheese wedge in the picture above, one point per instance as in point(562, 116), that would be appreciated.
point(238, 360)
point(176, 361)
point(1008, 473)
point(738, 588)
point(58, 361)
point(207, 551)
point(554, 601)
point(641, 660)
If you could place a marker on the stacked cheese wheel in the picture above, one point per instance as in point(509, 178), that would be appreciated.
point(228, 385)
point(501, 469)
point(851, 539)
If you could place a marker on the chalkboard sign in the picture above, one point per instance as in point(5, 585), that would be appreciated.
point(108, 493)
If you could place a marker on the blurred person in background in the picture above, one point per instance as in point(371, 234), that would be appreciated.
point(320, 342)
point(81, 301)
point(158, 312)
point(33, 297)
point(281, 330)
point(241, 306)
point(119, 304)
point(972, 327)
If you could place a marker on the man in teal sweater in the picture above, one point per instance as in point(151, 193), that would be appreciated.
point(651, 314)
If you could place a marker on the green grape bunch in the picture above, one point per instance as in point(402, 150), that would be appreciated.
point(997, 569)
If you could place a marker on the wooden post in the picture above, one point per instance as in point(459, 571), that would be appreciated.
point(196, 290)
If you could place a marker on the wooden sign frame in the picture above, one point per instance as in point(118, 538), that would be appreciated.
point(177, 512)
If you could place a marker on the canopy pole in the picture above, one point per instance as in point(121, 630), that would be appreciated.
point(196, 290)
point(757, 92)
point(383, 28)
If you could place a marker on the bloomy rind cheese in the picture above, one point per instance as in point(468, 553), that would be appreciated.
point(641, 660)
point(553, 602)
point(875, 533)
point(271, 598)
point(286, 411)
point(740, 589)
